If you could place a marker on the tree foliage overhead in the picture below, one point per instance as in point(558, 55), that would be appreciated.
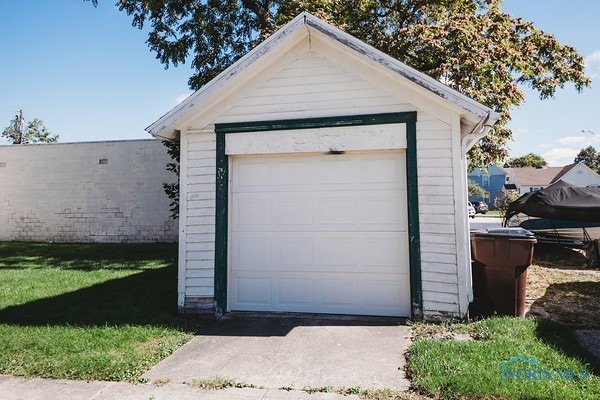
point(590, 157)
point(33, 132)
point(528, 160)
point(471, 45)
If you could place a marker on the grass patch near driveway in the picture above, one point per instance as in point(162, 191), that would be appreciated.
point(464, 360)
point(472, 369)
point(88, 311)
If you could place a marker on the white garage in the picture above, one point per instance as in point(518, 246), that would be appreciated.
point(319, 175)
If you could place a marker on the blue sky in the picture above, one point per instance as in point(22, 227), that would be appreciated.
point(89, 74)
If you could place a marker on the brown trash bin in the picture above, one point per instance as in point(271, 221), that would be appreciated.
point(500, 258)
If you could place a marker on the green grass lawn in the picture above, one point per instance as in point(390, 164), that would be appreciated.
point(88, 311)
point(443, 366)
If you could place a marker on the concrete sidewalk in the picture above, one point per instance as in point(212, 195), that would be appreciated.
point(16, 388)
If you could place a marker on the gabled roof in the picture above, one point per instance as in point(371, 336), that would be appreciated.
point(474, 114)
point(579, 167)
point(563, 171)
point(531, 176)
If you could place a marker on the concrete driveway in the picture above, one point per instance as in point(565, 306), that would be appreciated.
point(277, 351)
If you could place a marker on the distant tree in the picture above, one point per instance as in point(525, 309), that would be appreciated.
point(528, 160)
point(503, 200)
point(30, 132)
point(590, 157)
point(473, 189)
point(172, 188)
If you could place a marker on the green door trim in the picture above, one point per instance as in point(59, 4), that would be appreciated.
point(222, 190)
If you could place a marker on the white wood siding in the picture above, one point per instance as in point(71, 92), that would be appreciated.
point(436, 216)
point(313, 86)
point(199, 252)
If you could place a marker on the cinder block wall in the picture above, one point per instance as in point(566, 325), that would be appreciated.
point(86, 192)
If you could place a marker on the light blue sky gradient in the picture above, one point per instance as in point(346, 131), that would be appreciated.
point(90, 76)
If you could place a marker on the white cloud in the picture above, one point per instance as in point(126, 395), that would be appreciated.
point(571, 140)
point(182, 97)
point(559, 157)
point(592, 64)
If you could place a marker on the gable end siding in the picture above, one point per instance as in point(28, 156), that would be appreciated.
point(314, 86)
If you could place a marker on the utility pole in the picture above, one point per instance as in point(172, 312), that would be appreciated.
point(19, 127)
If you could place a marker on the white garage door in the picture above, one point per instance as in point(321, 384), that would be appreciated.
point(320, 233)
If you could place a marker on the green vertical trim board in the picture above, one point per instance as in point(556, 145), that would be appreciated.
point(414, 238)
point(221, 226)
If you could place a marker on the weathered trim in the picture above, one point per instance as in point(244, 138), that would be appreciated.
point(221, 226)
point(409, 118)
point(414, 237)
point(313, 123)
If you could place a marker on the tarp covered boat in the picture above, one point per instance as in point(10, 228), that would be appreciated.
point(562, 214)
point(559, 201)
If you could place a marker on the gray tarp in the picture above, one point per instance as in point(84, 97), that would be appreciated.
point(559, 201)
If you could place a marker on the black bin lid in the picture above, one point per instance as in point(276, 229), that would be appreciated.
point(505, 233)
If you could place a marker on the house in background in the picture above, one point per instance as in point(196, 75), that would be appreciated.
point(490, 179)
point(530, 179)
point(320, 175)
point(578, 174)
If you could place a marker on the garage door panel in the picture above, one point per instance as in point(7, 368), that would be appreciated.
point(324, 293)
point(294, 252)
point(337, 211)
point(339, 292)
point(381, 252)
point(291, 174)
point(383, 170)
point(294, 212)
point(334, 170)
point(252, 291)
point(387, 209)
point(378, 252)
point(301, 211)
point(251, 212)
point(252, 253)
point(295, 291)
point(327, 234)
point(253, 172)
point(341, 252)
point(379, 293)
